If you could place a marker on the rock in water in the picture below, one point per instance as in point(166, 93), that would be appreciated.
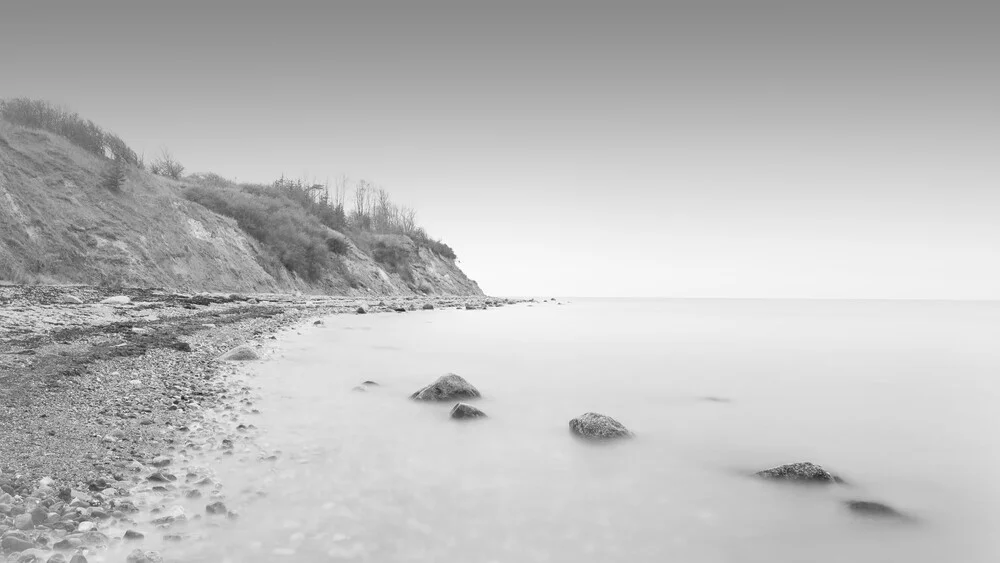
point(240, 354)
point(464, 411)
point(117, 300)
point(360, 311)
point(594, 426)
point(78, 558)
point(428, 307)
point(874, 510)
point(10, 544)
point(23, 522)
point(447, 388)
point(216, 508)
point(72, 299)
point(56, 558)
point(370, 383)
point(802, 472)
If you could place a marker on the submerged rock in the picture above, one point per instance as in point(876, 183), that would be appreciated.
point(464, 411)
point(446, 388)
point(370, 383)
point(594, 426)
point(802, 472)
point(240, 354)
point(359, 388)
point(873, 509)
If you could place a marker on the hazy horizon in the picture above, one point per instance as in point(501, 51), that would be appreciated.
point(677, 149)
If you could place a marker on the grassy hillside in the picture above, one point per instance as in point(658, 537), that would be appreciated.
point(61, 222)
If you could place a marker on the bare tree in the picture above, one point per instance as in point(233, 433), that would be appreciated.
point(407, 219)
point(166, 166)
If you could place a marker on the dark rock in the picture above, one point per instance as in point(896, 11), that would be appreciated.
point(39, 515)
point(370, 383)
point(240, 354)
point(161, 477)
point(464, 411)
point(428, 307)
point(65, 494)
point(802, 472)
point(399, 309)
point(872, 509)
point(66, 543)
point(78, 558)
point(217, 507)
point(181, 346)
point(594, 426)
point(193, 493)
point(447, 388)
point(131, 535)
point(11, 544)
point(361, 311)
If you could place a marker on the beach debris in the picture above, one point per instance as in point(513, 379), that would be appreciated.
point(595, 426)
point(446, 388)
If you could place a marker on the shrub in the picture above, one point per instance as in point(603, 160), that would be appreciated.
point(297, 239)
point(394, 258)
point(38, 114)
point(114, 178)
point(337, 245)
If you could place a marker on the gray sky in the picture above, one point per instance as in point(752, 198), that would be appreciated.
point(706, 148)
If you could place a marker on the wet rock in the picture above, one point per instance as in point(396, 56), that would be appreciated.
point(594, 426)
point(140, 556)
point(117, 300)
point(67, 543)
point(360, 311)
point(132, 535)
point(447, 388)
point(428, 307)
point(802, 472)
point(71, 299)
point(56, 558)
point(93, 538)
point(161, 477)
point(11, 544)
point(24, 522)
point(181, 346)
point(78, 558)
point(370, 383)
point(464, 411)
point(359, 388)
point(161, 461)
point(32, 556)
point(86, 526)
point(871, 509)
point(239, 354)
point(217, 507)
point(39, 515)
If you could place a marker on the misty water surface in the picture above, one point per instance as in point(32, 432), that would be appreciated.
point(899, 398)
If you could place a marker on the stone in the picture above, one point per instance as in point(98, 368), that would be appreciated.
point(359, 388)
point(32, 556)
point(139, 556)
point(873, 509)
point(801, 472)
point(71, 299)
point(67, 543)
point(56, 558)
point(370, 383)
point(360, 311)
point(10, 544)
point(24, 522)
point(594, 426)
point(161, 477)
point(463, 411)
point(217, 507)
point(161, 461)
point(447, 388)
point(86, 526)
point(94, 538)
point(39, 515)
point(78, 558)
point(132, 535)
point(239, 354)
point(117, 300)
point(428, 307)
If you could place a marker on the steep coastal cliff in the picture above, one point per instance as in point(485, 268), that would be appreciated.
point(60, 224)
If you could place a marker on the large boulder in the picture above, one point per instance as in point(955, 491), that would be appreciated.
point(594, 426)
point(11, 544)
point(447, 388)
point(462, 411)
point(801, 472)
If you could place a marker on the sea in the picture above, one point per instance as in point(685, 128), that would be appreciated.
point(901, 399)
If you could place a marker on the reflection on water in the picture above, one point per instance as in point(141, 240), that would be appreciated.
point(895, 397)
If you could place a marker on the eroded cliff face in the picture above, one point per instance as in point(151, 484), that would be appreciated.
point(59, 225)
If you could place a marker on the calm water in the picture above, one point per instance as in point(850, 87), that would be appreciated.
point(900, 398)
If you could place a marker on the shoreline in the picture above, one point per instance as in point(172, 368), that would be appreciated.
point(106, 409)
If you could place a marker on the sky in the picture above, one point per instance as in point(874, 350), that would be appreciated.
point(741, 148)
